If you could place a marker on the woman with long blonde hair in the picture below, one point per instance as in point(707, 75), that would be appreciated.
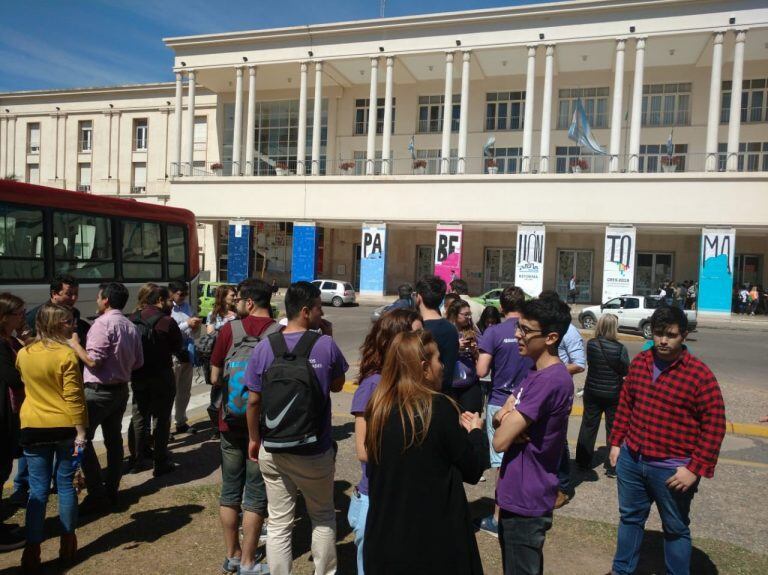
point(53, 423)
point(419, 449)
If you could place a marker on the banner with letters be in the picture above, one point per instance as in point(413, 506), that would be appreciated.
point(448, 251)
point(373, 255)
point(618, 262)
point(718, 247)
point(529, 267)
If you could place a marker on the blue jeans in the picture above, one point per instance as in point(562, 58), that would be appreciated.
point(496, 457)
point(640, 485)
point(40, 464)
point(357, 515)
point(21, 481)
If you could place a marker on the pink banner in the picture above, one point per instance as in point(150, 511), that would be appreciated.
point(448, 252)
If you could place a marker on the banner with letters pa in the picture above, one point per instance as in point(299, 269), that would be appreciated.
point(529, 267)
point(618, 262)
point(373, 255)
point(448, 252)
point(718, 247)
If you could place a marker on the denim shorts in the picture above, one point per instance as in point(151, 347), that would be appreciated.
point(496, 457)
point(241, 482)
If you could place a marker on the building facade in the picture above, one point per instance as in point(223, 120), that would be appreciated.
point(466, 167)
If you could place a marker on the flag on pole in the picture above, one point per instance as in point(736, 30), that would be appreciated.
point(412, 147)
point(670, 145)
point(580, 131)
point(487, 147)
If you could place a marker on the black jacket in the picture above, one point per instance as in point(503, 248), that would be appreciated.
point(608, 362)
point(9, 421)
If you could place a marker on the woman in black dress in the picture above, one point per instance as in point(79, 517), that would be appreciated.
point(420, 450)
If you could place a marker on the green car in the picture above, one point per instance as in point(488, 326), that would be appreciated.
point(206, 292)
point(492, 297)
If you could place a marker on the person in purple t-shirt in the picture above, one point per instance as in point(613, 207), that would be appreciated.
point(371, 361)
point(500, 356)
point(530, 429)
point(312, 471)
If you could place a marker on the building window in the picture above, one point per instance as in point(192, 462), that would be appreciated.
point(33, 173)
point(361, 115)
point(139, 178)
point(84, 177)
point(508, 160)
point(33, 138)
point(666, 104)
point(753, 157)
point(594, 100)
point(504, 110)
point(431, 110)
point(200, 133)
point(754, 101)
point(654, 158)
point(432, 157)
point(141, 132)
point(85, 136)
point(360, 161)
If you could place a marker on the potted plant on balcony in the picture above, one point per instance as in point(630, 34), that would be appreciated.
point(347, 168)
point(670, 163)
point(217, 168)
point(578, 165)
point(491, 166)
point(419, 166)
point(281, 168)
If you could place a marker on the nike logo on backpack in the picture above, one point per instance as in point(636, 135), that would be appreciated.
point(273, 423)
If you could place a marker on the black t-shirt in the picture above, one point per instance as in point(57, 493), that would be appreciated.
point(447, 338)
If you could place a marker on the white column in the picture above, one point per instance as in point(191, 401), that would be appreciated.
point(301, 140)
point(386, 140)
point(237, 137)
point(713, 118)
point(528, 118)
point(250, 123)
point(370, 154)
point(445, 149)
point(464, 116)
point(637, 103)
point(176, 169)
point(11, 167)
point(734, 122)
point(616, 115)
point(546, 111)
point(190, 121)
point(316, 118)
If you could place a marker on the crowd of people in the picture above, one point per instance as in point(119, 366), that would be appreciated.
point(440, 399)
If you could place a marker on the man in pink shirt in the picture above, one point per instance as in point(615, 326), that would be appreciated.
point(112, 352)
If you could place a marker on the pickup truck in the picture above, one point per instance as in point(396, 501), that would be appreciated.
point(633, 312)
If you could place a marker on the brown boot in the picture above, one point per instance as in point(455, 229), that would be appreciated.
point(562, 499)
point(67, 548)
point(30, 559)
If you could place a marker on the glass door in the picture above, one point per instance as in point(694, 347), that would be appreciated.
point(356, 255)
point(747, 269)
point(499, 268)
point(425, 261)
point(652, 270)
point(576, 263)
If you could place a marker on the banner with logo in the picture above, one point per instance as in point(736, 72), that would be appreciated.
point(373, 256)
point(529, 268)
point(618, 262)
point(716, 269)
point(448, 251)
point(238, 250)
point(304, 256)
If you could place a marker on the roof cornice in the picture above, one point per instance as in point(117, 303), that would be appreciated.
point(124, 89)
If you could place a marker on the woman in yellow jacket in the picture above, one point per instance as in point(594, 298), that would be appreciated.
point(53, 423)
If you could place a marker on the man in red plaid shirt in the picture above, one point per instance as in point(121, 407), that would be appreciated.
point(666, 436)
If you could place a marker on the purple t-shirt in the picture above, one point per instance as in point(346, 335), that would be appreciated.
point(528, 478)
point(359, 403)
point(508, 367)
point(329, 364)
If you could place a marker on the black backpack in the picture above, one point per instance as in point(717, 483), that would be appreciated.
point(292, 401)
point(204, 349)
point(146, 329)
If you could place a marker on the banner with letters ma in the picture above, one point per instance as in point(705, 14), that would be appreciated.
point(618, 262)
point(529, 267)
point(716, 269)
point(373, 254)
point(448, 252)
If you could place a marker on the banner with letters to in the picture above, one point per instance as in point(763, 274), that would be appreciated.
point(373, 259)
point(718, 246)
point(529, 267)
point(618, 262)
point(448, 251)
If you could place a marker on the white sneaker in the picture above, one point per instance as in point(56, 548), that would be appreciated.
point(580, 392)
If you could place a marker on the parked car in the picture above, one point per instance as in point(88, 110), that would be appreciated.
point(335, 292)
point(493, 297)
point(633, 312)
point(206, 297)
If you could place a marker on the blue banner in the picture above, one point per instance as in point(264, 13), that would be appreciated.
point(373, 256)
point(716, 270)
point(238, 252)
point(304, 252)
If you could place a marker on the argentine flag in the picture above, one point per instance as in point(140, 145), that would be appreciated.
point(581, 133)
point(412, 147)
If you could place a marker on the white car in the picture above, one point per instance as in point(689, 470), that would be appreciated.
point(633, 312)
point(335, 292)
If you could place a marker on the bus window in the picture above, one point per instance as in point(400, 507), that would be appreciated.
point(142, 251)
point(82, 246)
point(177, 256)
point(21, 232)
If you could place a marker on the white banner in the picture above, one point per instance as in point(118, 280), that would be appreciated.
point(529, 269)
point(618, 262)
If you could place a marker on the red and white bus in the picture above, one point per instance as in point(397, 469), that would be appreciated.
point(46, 231)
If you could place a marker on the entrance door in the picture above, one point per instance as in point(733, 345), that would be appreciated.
point(576, 263)
point(652, 269)
point(356, 255)
point(746, 269)
point(425, 261)
point(499, 268)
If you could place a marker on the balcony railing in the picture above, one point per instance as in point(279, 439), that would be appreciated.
point(504, 165)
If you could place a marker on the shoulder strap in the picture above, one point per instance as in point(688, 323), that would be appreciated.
point(611, 364)
point(274, 327)
point(306, 343)
point(238, 331)
point(154, 319)
point(278, 345)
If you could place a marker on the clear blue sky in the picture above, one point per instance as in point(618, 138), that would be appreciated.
point(77, 43)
